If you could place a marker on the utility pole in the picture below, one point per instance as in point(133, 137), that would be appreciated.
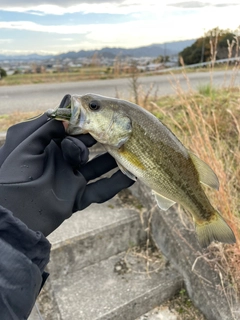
point(203, 47)
point(164, 53)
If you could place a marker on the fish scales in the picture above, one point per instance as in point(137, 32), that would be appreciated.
point(167, 178)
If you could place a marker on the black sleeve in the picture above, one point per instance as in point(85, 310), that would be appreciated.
point(24, 255)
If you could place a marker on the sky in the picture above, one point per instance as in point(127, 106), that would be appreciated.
point(56, 26)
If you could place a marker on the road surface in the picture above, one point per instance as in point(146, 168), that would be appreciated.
point(47, 96)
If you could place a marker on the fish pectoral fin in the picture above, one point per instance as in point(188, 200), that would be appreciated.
point(206, 175)
point(163, 202)
point(126, 172)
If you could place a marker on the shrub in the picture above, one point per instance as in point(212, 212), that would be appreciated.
point(3, 73)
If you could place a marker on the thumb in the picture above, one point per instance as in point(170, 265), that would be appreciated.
point(34, 131)
point(18, 133)
point(40, 139)
point(26, 162)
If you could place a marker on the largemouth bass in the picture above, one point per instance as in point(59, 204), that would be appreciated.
point(145, 149)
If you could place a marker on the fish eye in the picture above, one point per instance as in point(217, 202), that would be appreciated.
point(94, 105)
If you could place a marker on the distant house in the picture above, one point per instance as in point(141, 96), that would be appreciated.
point(170, 64)
point(154, 66)
point(24, 69)
point(9, 71)
point(142, 68)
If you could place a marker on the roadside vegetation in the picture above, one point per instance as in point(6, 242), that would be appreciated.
point(87, 73)
point(80, 74)
point(207, 121)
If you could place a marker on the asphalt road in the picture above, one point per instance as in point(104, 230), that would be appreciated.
point(45, 96)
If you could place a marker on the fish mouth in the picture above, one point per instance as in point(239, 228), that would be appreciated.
point(71, 111)
point(78, 116)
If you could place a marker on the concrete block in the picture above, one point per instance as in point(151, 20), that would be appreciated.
point(92, 235)
point(99, 292)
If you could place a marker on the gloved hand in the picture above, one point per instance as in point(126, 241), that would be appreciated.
point(44, 174)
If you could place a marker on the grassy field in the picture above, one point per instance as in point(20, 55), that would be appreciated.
point(77, 75)
point(80, 74)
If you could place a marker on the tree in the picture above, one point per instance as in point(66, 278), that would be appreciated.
point(214, 45)
point(3, 73)
point(161, 59)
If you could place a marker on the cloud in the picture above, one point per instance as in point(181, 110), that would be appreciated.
point(142, 22)
point(60, 3)
point(199, 4)
point(66, 39)
point(4, 41)
point(32, 26)
point(25, 52)
point(226, 4)
point(189, 4)
point(127, 34)
point(62, 7)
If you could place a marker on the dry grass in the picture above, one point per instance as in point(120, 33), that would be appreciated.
point(90, 73)
point(184, 307)
point(7, 120)
point(208, 123)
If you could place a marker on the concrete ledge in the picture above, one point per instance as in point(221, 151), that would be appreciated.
point(98, 292)
point(92, 235)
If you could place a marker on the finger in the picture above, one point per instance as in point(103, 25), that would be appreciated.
point(74, 151)
point(103, 190)
point(87, 139)
point(98, 166)
point(18, 133)
point(40, 139)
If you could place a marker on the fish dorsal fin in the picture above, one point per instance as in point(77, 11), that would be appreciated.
point(206, 175)
point(163, 202)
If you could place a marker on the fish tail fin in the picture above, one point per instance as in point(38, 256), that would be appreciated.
point(216, 229)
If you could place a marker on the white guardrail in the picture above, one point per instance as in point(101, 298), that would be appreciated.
point(201, 64)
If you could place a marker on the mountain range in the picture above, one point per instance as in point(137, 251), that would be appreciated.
point(154, 50)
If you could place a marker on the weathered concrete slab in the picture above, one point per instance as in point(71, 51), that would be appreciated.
point(99, 292)
point(94, 234)
point(175, 237)
point(35, 314)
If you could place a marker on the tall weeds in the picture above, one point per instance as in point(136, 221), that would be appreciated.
point(208, 123)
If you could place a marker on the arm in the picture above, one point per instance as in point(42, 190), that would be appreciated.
point(24, 255)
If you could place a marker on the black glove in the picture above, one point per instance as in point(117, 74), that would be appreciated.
point(24, 255)
point(44, 174)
